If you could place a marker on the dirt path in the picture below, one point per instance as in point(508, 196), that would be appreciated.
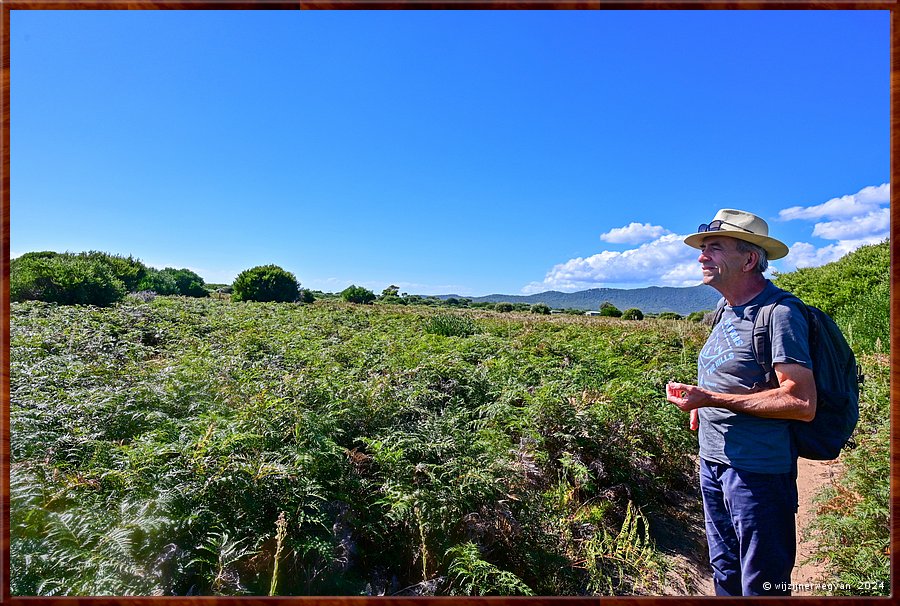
point(812, 476)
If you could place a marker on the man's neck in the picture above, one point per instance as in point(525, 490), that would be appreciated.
point(743, 293)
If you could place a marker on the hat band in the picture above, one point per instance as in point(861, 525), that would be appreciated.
point(717, 226)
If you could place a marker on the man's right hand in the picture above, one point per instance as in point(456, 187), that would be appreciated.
point(677, 394)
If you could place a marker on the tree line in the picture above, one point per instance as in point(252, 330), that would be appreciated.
point(102, 279)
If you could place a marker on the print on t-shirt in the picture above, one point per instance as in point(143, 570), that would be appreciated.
point(718, 350)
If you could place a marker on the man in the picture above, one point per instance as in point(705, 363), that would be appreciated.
point(748, 467)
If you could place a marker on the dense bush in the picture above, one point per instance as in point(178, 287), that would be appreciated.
point(866, 323)
point(854, 290)
point(503, 307)
point(189, 283)
point(357, 294)
point(265, 283)
point(171, 281)
point(64, 278)
point(609, 310)
point(632, 313)
point(540, 308)
point(306, 296)
point(44, 254)
point(697, 316)
point(131, 273)
point(127, 269)
point(160, 282)
point(391, 296)
point(845, 282)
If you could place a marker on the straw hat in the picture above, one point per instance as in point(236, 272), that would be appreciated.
point(743, 226)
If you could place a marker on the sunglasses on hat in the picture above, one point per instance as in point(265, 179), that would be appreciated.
point(717, 226)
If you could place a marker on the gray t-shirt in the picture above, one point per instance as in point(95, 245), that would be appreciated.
point(727, 365)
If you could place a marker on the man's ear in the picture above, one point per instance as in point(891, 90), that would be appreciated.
point(750, 263)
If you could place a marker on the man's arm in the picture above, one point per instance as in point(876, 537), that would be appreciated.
point(794, 398)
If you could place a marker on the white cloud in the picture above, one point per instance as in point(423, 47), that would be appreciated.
point(666, 261)
point(634, 233)
point(804, 254)
point(874, 224)
point(851, 221)
point(866, 200)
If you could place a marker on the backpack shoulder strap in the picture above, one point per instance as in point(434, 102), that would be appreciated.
point(762, 333)
point(717, 314)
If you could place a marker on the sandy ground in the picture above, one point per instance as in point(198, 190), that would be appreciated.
point(812, 476)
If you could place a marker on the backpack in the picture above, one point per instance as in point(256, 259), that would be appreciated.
point(836, 373)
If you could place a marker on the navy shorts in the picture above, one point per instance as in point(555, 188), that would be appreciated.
point(750, 528)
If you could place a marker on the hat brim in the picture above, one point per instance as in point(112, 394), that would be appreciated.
point(774, 248)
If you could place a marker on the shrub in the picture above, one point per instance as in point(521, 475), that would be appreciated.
point(391, 295)
point(844, 282)
point(866, 323)
point(357, 294)
point(44, 254)
point(697, 316)
point(540, 308)
point(632, 313)
point(609, 310)
point(66, 279)
point(127, 269)
point(306, 296)
point(187, 282)
point(171, 281)
point(504, 307)
point(854, 290)
point(160, 282)
point(265, 283)
point(391, 300)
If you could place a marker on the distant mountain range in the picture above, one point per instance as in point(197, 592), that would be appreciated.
point(653, 299)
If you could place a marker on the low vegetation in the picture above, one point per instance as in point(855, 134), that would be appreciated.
point(168, 445)
point(155, 445)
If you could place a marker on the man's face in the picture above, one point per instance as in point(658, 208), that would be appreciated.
point(720, 260)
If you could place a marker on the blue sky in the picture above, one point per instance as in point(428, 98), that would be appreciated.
point(466, 152)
